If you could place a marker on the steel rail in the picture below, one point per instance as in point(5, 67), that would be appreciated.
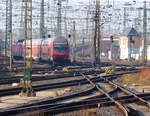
point(12, 91)
point(58, 99)
point(62, 72)
point(127, 91)
point(52, 68)
point(118, 105)
point(92, 103)
point(55, 108)
point(16, 79)
point(62, 98)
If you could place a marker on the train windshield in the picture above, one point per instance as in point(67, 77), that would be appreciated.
point(60, 49)
point(60, 46)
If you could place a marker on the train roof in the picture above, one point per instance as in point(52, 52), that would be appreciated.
point(48, 40)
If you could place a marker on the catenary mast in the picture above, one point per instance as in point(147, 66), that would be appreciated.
point(42, 21)
point(97, 34)
point(8, 34)
point(26, 82)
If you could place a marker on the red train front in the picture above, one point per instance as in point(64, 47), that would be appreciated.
point(60, 51)
point(55, 50)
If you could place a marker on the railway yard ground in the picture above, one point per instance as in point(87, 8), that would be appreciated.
point(78, 90)
point(74, 58)
point(139, 81)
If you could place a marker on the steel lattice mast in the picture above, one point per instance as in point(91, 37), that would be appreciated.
point(27, 84)
point(59, 31)
point(8, 34)
point(144, 41)
point(42, 21)
point(97, 34)
point(74, 41)
point(21, 35)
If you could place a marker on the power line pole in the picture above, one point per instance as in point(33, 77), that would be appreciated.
point(66, 25)
point(21, 35)
point(74, 41)
point(124, 19)
point(8, 34)
point(144, 41)
point(59, 31)
point(42, 21)
point(97, 34)
point(27, 83)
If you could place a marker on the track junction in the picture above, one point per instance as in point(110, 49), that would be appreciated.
point(101, 91)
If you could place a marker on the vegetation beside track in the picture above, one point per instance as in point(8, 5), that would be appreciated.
point(140, 78)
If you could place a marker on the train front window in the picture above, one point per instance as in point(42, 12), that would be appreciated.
point(60, 49)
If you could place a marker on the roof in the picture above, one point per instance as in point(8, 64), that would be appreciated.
point(131, 32)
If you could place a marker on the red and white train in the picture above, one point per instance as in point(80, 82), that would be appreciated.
point(51, 49)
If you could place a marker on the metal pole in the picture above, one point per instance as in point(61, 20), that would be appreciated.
point(10, 17)
point(124, 20)
point(59, 19)
point(21, 35)
point(6, 30)
point(87, 24)
point(8, 35)
point(144, 41)
point(83, 41)
point(111, 46)
point(66, 26)
point(42, 21)
point(27, 81)
point(97, 34)
point(130, 48)
point(74, 41)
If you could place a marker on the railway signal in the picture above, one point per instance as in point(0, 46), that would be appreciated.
point(112, 39)
point(27, 82)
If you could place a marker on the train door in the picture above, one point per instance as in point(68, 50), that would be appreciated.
point(44, 52)
point(40, 50)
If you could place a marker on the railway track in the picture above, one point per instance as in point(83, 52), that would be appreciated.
point(59, 74)
point(16, 90)
point(128, 91)
point(50, 106)
point(117, 104)
point(125, 91)
point(38, 67)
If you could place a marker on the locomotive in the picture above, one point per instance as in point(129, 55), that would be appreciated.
point(50, 49)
